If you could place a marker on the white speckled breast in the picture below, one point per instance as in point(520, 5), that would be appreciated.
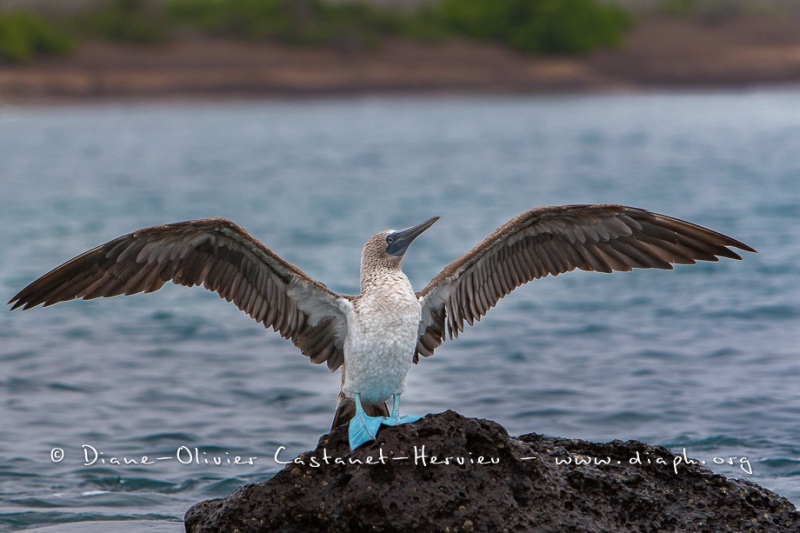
point(382, 333)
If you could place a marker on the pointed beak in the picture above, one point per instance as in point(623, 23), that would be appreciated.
point(399, 241)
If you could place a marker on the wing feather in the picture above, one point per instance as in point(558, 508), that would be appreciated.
point(554, 240)
point(217, 254)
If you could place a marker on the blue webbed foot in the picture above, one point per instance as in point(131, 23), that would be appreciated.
point(363, 428)
point(395, 419)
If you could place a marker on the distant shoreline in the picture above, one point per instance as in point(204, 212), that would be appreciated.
point(658, 54)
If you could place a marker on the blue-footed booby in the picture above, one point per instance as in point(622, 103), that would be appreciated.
point(374, 337)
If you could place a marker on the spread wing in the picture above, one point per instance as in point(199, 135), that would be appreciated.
point(554, 240)
point(222, 257)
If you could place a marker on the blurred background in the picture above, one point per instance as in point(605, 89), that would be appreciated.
point(316, 124)
point(89, 49)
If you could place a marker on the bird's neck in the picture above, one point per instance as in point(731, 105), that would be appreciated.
point(384, 279)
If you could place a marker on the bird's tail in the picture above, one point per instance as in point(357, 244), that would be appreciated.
point(346, 409)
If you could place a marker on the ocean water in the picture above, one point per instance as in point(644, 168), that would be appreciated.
point(704, 358)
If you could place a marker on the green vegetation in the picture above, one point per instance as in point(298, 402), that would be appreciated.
point(541, 26)
point(133, 21)
point(677, 8)
point(297, 22)
point(24, 35)
point(544, 26)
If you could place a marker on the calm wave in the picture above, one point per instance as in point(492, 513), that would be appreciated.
point(703, 358)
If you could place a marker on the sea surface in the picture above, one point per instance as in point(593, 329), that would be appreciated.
point(704, 358)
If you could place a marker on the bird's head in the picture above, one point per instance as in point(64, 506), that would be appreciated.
point(387, 248)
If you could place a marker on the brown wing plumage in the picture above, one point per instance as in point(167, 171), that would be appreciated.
point(554, 240)
point(222, 257)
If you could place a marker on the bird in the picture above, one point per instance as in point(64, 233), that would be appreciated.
point(375, 337)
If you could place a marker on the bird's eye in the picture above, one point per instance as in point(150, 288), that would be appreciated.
point(389, 239)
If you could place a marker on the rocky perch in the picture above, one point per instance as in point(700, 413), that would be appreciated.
point(450, 473)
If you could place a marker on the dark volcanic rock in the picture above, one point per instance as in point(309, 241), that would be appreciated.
point(531, 483)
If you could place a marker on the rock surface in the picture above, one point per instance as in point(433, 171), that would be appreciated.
point(483, 480)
